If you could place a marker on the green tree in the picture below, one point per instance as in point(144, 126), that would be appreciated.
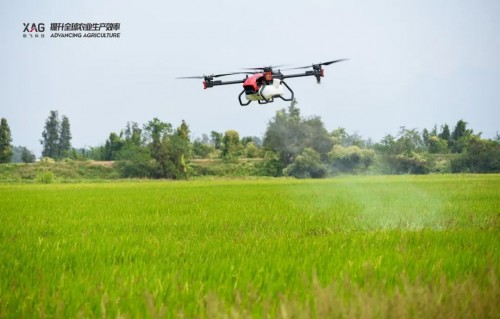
point(411, 163)
point(16, 154)
point(133, 134)
point(157, 132)
point(350, 159)
point(403, 155)
point(386, 149)
point(50, 136)
point(460, 137)
point(124, 146)
point(409, 141)
point(434, 131)
point(133, 158)
point(113, 146)
point(216, 139)
point(201, 149)
point(134, 161)
point(480, 156)
point(155, 151)
point(252, 150)
point(445, 133)
point(231, 147)
point(316, 136)
point(339, 136)
point(437, 145)
point(307, 165)
point(251, 139)
point(64, 138)
point(27, 156)
point(284, 135)
point(425, 137)
point(179, 151)
point(5, 142)
point(183, 131)
point(96, 153)
point(288, 134)
point(355, 139)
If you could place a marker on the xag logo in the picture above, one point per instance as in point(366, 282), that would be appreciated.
point(33, 27)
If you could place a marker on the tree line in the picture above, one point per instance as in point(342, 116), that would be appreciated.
point(293, 145)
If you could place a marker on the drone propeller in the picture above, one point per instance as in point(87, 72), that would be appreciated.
point(318, 65)
point(212, 76)
point(189, 77)
point(266, 67)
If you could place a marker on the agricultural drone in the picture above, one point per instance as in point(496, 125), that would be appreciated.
point(264, 84)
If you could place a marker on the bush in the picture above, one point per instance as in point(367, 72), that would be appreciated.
point(440, 164)
point(307, 164)
point(45, 177)
point(132, 169)
point(481, 156)
point(27, 156)
point(134, 161)
point(350, 159)
point(270, 165)
point(413, 163)
point(47, 160)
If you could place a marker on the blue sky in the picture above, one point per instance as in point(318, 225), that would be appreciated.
point(412, 63)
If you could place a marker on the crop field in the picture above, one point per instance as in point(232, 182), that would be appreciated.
point(348, 247)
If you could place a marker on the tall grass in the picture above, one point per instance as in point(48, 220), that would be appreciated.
point(400, 246)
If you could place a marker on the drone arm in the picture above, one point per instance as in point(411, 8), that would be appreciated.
point(210, 84)
point(297, 75)
point(318, 73)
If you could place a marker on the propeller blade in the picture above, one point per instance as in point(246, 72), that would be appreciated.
point(190, 77)
point(266, 67)
point(334, 61)
point(226, 74)
point(212, 76)
point(322, 63)
point(297, 68)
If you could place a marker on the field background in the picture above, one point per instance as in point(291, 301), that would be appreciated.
point(379, 246)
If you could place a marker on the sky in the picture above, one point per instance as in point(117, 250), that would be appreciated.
point(413, 63)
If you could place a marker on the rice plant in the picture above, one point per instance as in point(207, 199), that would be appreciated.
point(398, 246)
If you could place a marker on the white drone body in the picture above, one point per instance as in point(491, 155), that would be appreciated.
point(267, 92)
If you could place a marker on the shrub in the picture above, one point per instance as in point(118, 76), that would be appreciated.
point(45, 177)
point(350, 159)
point(47, 160)
point(307, 164)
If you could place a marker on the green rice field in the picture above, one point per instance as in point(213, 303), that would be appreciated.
point(347, 247)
